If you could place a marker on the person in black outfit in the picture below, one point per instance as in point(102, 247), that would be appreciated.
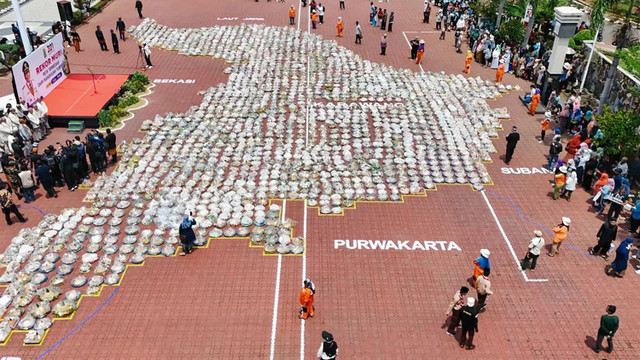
point(100, 37)
point(110, 142)
point(139, 8)
point(589, 172)
point(415, 44)
point(512, 140)
point(114, 42)
point(53, 162)
point(187, 236)
point(469, 319)
point(121, 28)
point(605, 235)
point(67, 166)
point(328, 348)
point(43, 174)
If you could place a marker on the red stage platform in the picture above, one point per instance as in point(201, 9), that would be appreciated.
point(75, 98)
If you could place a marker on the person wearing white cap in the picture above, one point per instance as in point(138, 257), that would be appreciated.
point(535, 246)
point(560, 233)
point(481, 264)
point(500, 71)
point(469, 319)
point(544, 125)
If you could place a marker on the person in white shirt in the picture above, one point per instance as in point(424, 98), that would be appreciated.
point(43, 113)
point(535, 246)
point(328, 348)
point(35, 124)
point(320, 9)
point(28, 184)
point(147, 55)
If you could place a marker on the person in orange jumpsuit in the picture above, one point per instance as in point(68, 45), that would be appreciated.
point(306, 299)
point(340, 26)
point(480, 264)
point(314, 19)
point(467, 62)
point(535, 99)
point(420, 52)
point(292, 16)
point(500, 73)
point(560, 233)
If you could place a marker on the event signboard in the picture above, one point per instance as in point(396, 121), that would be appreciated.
point(39, 73)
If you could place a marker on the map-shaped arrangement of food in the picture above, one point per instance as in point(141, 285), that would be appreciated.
point(299, 118)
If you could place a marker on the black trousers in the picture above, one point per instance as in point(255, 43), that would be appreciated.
point(358, 39)
point(48, 186)
point(187, 246)
point(438, 25)
point(12, 209)
point(601, 336)
point(140, 12)
point(390, 26)
point(341, 5)
point(122, 35)
point(454, 321)
point(509, 154)
point(634, 224)
point(425, 18)
point(383, 50)
point(103, 45)
point(482, 298)
point(148, 60)
point(116, 47)
point(614, 209)
point(70, 178)
point(464, 340)
point(414, 53)
point(529, 258)
point(602, 248)
point(321, 19)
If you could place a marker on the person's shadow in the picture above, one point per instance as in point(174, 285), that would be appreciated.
point(590, 342)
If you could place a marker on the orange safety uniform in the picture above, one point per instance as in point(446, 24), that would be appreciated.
point(477, 272)
point(340, 27)
point(545, 124)
point(314, 17)
point(500, 73)
point(467, 62)
point(535, 99)
point(292, 13)
point(306, 301)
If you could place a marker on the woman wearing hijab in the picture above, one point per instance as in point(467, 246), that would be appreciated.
point(495, 57)
point(187, 236)
point(467, 62)
point(619, 265)
point(582, 156)
point(507, 60)
point(572, 147)
point(589, 171)
point(600, 199)
point(535, 99)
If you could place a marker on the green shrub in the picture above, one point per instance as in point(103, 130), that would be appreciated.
point(78, 18)
point(511, 30)
point(128, 101)
point(620, 130)
point(105, 118)
point(142, 78)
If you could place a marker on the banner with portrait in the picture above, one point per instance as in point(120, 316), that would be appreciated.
point(39, 73)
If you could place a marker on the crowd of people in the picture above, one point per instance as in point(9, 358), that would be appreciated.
point(69, 163)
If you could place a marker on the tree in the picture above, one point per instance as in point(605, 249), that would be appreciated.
point(511, 31)
point(620, 132)
point(500, 10)
point(599, 8)
point(527, 33)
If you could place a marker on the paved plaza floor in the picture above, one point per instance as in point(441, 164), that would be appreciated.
point(228, 301)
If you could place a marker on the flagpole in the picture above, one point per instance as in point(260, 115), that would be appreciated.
point(24, 35)
point(586, 69)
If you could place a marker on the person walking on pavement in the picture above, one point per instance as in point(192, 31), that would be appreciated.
point(383, 45)
point(306, 300)
point(535, 246)
point(484, 289)
point(100, 37)
point(139, 8)
point(426, 12)
point(609, 324)
point(420, 52)
point(114, 42)
point(339, 27)
point(560, 233)
point(328, 348)
point(606, 235)
point(8, 206)
point(391, 20)
point(467, 62)
point(314, 19)
point(147, 55)
point(75, 38)
point(459, 300)
point(570, 184)
point(512, 141)
point(121, 27)
point(559, 179)
point(383, 22)
point(469, 319)
point(620, 263)
point(292, 16)
point(544, 125)
point(341, 4)
point(358, 33)
point(481, 264)
point(415, 43)
point(554, 150)
point(321, 9)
